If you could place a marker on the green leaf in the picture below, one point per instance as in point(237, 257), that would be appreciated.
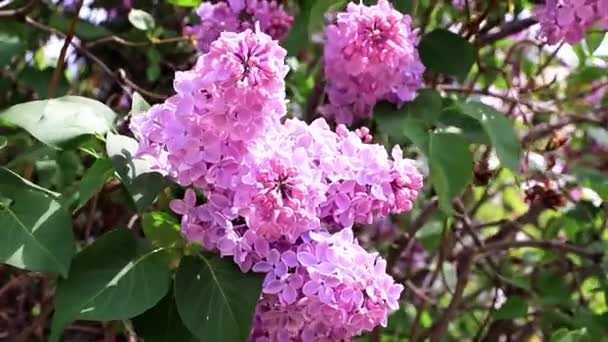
point(162, 229)
point(117, 277)
point(58, 120)
point(439, 48)
point(137, 176)
point(94, 179)
point(8, 177)
point(451, 164)
point(398, 125)
point(514, 307)
point(153, 69)
point(500, 130)
point(426, 106)
point(316, 20)
point(162, 323)
point(10, 46)
point(593, 179)
point(35, 231)
point(141, 20)
point(215, 300)
point(185, 3)
point(138, 104)
point(594, 39)
point(298, 37)
point(404, 6)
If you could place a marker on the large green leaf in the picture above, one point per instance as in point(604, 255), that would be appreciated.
point(58, 120)
point(137, 175)
point(447, 53)
point(93, 180)
point(500, 130)
point(451, 164)
point(398, 125)
point(117, 277)
point(412, 120)
point(162, 323)
point(35, 231)
point(214, 299)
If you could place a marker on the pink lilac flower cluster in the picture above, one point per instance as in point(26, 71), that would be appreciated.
point(236, 16)
point(569, 20)
point(370, 55)
point(276, 191)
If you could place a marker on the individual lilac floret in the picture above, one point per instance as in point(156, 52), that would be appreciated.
point(569, 20)
point(370, 55)
point(237, 16)
point(328, 288)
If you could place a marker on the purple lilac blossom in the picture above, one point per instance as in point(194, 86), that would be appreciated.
point(370, 55)
point(569, 20)
point(277, 191)
point(236, 16)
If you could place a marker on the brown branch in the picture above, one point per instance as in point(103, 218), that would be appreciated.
point(61, 61)
point(122, 41)
point(16, 12)
point(119, 76)
point(542, 130)
point(465, 263)
point(506, 30)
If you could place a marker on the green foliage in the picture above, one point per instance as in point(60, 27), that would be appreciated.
point(141, 183)
point(162, 323)
point(514, 307)
point(451, 166)
point(162, 230)
point(185, 3)
point(141, 20)
point(214, 299)
point(500, 130)
point(316, 20)
point(117, 277)
point(438, 48)
point(94, 179)
point(36, 231)
point(58, 120)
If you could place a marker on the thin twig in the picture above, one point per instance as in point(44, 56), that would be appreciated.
point(122, 41)
point(465, 263)
point(16, 12)
point(66, 43)
point(506, 30)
